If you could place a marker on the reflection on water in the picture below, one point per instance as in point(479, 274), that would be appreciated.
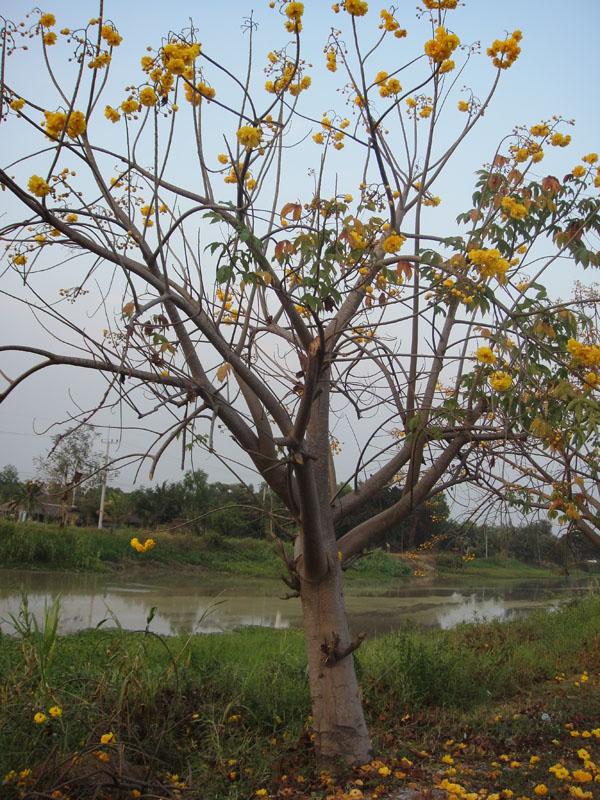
point(190, 603)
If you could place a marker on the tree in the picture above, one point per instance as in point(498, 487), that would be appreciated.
point(71, 457)
point(9, 483)
point(277, 311)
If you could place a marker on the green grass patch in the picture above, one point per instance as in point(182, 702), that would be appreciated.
point(493, 568)
point(40, 546)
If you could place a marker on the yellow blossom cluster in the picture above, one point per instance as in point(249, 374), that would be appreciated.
point(391, 25)
point(147, 96)
point(130, 105)
point(541, 130)
point(505, 52)
point(55, 122)
point(512, 208)
point(440, 5)
point(485, 355)
point(249, 136)
point(500, 381)
point(393, 243)
point(587, 355)
point(176, 56)
point(331, 60)
point(463, 105)
point(560, 140)
point(194, 94)
point(356, 8)
point(38, 186)
point(100, 61)
point(285, 81)
point(111, 36)
point(387, 86)
point(47, 20)
point(294, 12)
point(489, 263)
point(111, 114)
point(442, 46)
point(139, 547)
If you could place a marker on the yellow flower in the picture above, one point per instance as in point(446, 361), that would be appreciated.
point(393, 243)
point(49, 38)
point(130, 106)
point(356, 8)
point(111, 36)
point(17, 104)
point(148, 96)
point(500, 381)
point(55, 711)
point(442, 46)
point(294, 11)
point(541, 790)
point(384, 771)
point(39, 718)
point(506, 51)
point(485, 355)
point(47, 20)
point(76, 124)
point(38, 186)
point(559, 140)
point(591, 158)
point(108, 738)
point(249, 136)
point(490, 263)
point(581, 776)
point(513, 209)
point(20, 260)
point(261, 793)
point(578, 171)
point(112, 114)
point(540, 130)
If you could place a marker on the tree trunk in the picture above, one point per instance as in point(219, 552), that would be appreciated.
point(338, 719)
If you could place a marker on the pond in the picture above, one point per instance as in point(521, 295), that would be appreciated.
point(195, 603)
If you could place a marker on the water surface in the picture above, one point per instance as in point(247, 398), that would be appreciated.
point(194, 603)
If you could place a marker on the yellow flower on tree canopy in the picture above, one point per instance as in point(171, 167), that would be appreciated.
point(76, 124)
point(38, 186)
point(47, 20)
point(442, 46)
point(393, 243)
point(148, 96)
point(249, 136)
point(111, 36)
point(356, 8)
point(485, 355)
point(504, 52)
point(490, 263)
point(500, 381)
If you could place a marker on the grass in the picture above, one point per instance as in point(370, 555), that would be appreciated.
point(494, 568)
point(40, 546)
point(230, 713)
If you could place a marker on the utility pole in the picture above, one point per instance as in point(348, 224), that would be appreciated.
point(104, 482)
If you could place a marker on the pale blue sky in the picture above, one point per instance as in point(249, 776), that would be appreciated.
point(556, 74)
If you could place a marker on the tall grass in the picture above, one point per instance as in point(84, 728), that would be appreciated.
point(42, 546)
point(213, 705)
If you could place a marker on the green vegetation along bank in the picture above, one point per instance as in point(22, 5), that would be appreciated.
point(487, 707)
point(42, 546)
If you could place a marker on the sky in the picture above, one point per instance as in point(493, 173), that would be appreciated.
point(556, 74)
